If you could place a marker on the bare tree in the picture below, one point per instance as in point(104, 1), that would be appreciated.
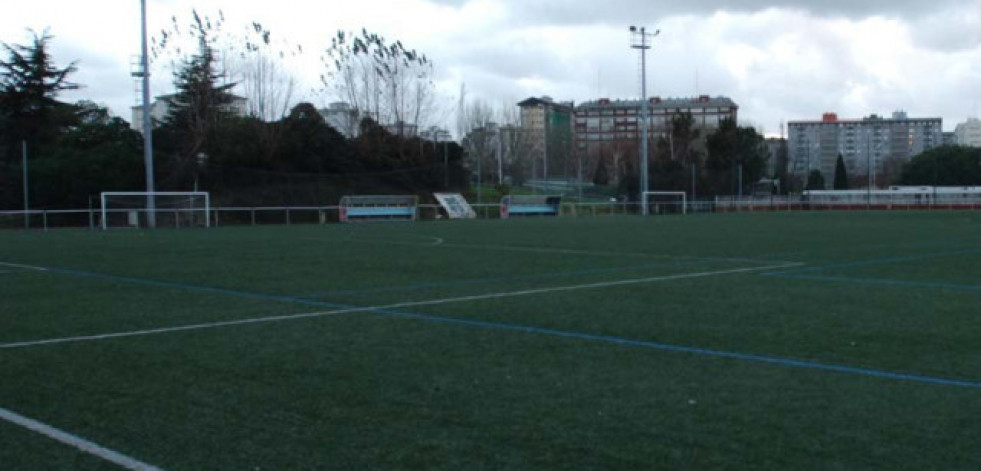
point(517, 146)
point(383, 81)
point(263, 75)
point(268, 88)
point(479, 132)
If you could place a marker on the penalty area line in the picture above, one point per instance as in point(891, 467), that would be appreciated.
point(383, 308)
point(75, 441)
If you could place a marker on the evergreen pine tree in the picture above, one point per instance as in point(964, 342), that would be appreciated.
point(841, 175)
point(29, 83)
point(815, 180)
point(196, 111)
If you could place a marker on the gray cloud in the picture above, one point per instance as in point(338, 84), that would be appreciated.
point(949, 30)
point(779, 65)
point(780, 60)
point(626, 11)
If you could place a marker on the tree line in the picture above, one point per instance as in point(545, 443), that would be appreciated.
point(261, 157)
point(702, 162)
point(277, 153)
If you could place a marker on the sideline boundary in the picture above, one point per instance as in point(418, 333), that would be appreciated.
point(75, 441)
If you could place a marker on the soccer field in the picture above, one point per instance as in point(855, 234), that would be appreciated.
point(767, 341)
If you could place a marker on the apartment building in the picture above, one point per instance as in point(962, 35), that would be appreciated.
point(611, 120)
point(607, 132)
point(873, 143)
point(546, 126)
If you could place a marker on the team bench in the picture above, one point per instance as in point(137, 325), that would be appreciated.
point(530, 205)
point(378, 207)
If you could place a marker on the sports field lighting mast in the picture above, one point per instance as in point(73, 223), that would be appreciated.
point(144, 73)
point(639, 40)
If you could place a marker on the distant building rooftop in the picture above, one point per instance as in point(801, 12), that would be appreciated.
point(547, 101)
point(832, 118)
point(659, 103)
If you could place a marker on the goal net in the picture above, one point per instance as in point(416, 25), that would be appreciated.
point(665, 202)
point(159, 209)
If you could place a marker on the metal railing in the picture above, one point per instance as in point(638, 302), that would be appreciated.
point(289, 215)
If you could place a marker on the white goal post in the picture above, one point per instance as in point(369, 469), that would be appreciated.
point(658, 202)
point(171, 208)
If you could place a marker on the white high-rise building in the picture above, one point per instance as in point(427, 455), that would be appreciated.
point(969, 133)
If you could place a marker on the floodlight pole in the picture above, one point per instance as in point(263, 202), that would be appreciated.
point(27, 216)
point(693, 189)
point(500, 158)
point(151, 215)
point(547, 114)
point(868, 166)
point(639, 41)
point(446, 164)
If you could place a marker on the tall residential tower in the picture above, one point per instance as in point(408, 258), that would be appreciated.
point(873, 143)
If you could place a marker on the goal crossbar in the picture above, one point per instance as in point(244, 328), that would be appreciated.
point(189, 196)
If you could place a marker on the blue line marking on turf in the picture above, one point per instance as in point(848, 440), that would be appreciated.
point(188, 287)
point(695, 350)
point(706, 352)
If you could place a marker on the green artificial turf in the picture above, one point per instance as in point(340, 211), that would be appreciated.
point(694, 342)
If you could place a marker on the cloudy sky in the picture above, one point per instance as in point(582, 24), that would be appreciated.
point(779, 60)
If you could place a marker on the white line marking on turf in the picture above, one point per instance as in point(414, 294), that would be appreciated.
point(545, 250)
point(600, 284)
point(26, 267)
point(431, 302)
point(164, 330)
point(75, 441)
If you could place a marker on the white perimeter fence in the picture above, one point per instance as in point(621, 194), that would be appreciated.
point(238, 216)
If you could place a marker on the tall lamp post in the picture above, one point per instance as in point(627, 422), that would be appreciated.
point(546, 113)
point(27, 206)
point(868, 167)
point(144, 73)
point(639, 40)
